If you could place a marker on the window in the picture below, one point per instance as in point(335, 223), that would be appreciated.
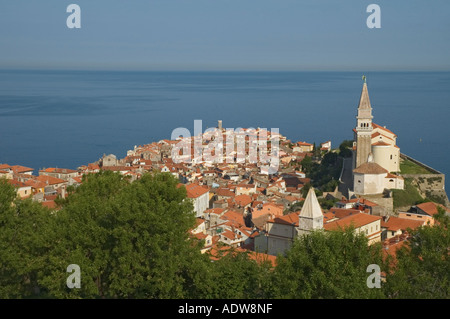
point(391, 156)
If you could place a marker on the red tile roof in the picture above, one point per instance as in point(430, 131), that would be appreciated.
point(383, 128)
point(243, 200)
point(195, 190)
point(396, 223)
point(50, 180)
point(356, 220)
point(430, 208)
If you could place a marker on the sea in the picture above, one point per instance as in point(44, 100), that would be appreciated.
point(67, 119)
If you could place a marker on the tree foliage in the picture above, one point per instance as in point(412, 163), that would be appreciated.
point(327, 265)
point(422, 267)
point(131, 240)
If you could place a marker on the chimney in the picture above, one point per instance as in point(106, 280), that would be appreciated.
point(219, 125)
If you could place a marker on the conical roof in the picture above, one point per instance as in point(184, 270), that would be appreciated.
point(364, 101)
point(311, 207)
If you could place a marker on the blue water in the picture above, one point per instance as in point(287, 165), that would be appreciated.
point(67, 119)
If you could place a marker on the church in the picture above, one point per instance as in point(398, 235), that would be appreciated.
point(376, 156)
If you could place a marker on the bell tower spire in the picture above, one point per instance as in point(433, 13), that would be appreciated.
point(363, 134)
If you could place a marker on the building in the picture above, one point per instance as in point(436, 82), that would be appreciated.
point(371, 138)
point(394, 226)
point(61, 173)
point(369, 225)
point(423, 212)
point(376, 157)
point(282, 230)
point(200, 196)
point(311, 215)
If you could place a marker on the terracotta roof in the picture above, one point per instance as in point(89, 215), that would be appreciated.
point(396, 223)
point(383, 128)
point(58, 170)
point(378, 134)
point(289, 219)
point(430, 208)
point(217, 211)
point(370, 168)
point(261, 258)
point(234, 216)
point(343, 212)
point(243, 200)
point(21, 169)
point(35, 183)
point(225, 192)
point(356, 220)
point(195, 190)
point(16, 183)
point(50, 180)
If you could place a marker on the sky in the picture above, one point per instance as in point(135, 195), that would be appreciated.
point(297, 35)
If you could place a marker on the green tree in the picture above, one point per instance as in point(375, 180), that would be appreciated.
point(307, 164)
point(236, 276)
point(422, 268)
point(24, 243)
point(327, 265)
point(345, 148)
point(129, 239)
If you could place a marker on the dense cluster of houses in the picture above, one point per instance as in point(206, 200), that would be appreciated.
point(236, 204)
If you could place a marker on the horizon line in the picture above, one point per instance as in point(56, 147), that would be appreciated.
point(2, 69)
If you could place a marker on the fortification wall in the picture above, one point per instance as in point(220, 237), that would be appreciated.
point(429, 185)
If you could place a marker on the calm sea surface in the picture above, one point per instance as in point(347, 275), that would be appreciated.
point(67, 119)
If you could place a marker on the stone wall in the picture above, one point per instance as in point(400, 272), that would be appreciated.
point(429, 185)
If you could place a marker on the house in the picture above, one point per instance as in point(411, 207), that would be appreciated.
point(369, 225)
point(393, 226)
point(423, 212)
point(200, 196)
point(62, 173)
point(23, 190)
point(325, 146)
point(18, 169)
point(36, 186)
point(247, 189)
point(303, 147)
point(52, 182)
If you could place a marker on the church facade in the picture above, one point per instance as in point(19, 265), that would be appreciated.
point(376, 156)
